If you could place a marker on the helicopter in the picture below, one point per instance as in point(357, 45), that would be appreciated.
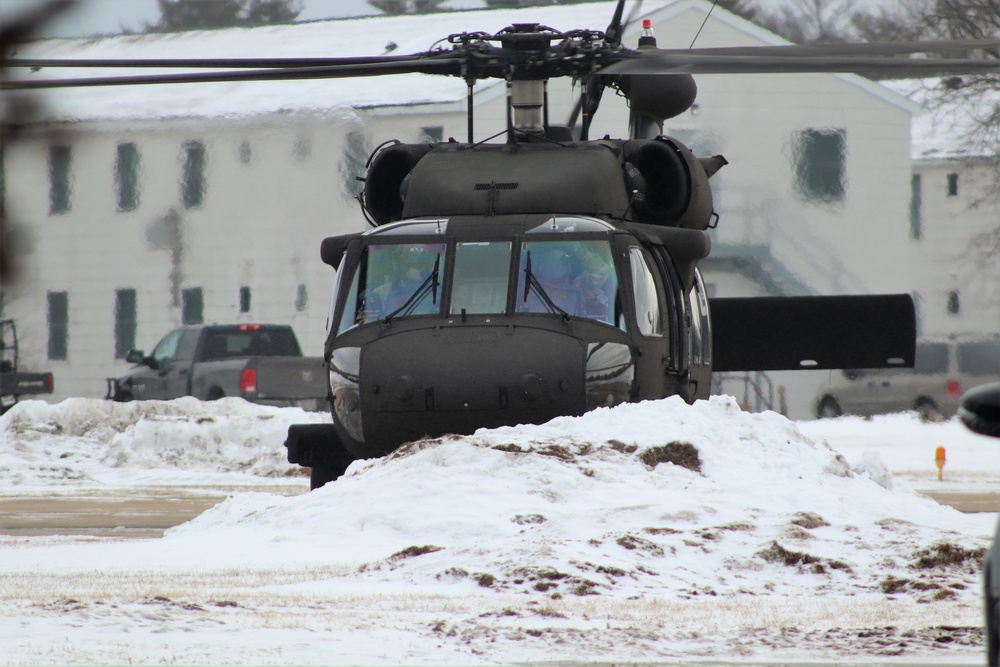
point(546, 273)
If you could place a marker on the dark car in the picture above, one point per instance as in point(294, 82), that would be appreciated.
point(980, 411)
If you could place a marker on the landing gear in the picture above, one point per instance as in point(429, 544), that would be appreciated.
point(828, 408)
point(928, 410)
point(317, 446)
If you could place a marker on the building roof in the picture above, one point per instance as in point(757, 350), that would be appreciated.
point(947, 130)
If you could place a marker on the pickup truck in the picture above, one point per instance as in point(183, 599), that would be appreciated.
point(261, 363)
point(15, 383)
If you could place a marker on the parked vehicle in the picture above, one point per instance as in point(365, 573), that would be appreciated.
point(14, 383)
point(262, 363)
point(980, 411)
point(942, 370)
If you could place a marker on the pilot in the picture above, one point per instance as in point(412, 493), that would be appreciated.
point(594, 283)
point(553, 268)
point(413, 264)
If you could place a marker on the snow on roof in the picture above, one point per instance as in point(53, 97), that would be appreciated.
point(947, 131)
point(329, 38)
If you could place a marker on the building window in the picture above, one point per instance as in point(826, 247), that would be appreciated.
point(352, 167)
point(244, 299)
point(127, 176)
point(302, 149)
point(125, 322)
point(60, 187)
point(192, 306)
point(954, 305)
point(952, 185)
point(301, 298)
point(193, 183)
point(58, 320)
point(432, 134)
point(244, 152)
point(916, 208)
point(820, 158)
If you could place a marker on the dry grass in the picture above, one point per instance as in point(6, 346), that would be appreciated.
point(682, 454)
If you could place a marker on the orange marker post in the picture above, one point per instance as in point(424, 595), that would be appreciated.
point(939, 460)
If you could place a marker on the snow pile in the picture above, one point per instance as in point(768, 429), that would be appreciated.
point(81, 441)
point(657, 498)
point(648, 531)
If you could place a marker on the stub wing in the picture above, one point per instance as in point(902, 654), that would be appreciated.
point(813, 332)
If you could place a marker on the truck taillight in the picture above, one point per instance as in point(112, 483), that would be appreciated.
point(248, 382)
point(50, 383)
point(954, 389)
point(248, 327)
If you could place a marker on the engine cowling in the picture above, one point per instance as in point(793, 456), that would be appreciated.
point(386, 181)
point(668, 184)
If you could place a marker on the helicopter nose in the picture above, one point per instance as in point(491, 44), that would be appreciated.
point(530, 386)
point(438, 380)
point(404, 388)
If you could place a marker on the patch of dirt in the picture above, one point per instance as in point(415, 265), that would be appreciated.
point(631, 542)
point(682, 454)
point(947, 554)
point(482, 636)
point(809, 520)
point(410, 552)
point(776, 553)
point(737, 525)
point(621, 447)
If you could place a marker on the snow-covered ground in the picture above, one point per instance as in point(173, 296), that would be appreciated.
point(648, 532)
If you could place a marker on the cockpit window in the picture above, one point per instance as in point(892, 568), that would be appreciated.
point(572, 278)
point(482, 274)
point(647, 305)
point(395, 280)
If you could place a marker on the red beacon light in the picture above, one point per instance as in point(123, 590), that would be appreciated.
point(647, 38)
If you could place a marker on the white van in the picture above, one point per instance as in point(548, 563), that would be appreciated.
point(942, 370)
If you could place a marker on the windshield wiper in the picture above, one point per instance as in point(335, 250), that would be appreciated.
point(531, 283)
point(430, 285)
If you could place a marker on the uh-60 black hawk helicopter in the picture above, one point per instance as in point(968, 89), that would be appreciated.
point(549, 274)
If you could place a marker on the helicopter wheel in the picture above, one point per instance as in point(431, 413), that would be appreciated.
point(828, 408)
point(321, 474)
point(928, 410)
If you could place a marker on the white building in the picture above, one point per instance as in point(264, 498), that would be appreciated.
point(954, 217)
point(143, 207)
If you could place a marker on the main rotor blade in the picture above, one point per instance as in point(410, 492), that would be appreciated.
point(653, 62)
point(445, 66)
point(848, 49)
point(210, 63)
point(613, 35)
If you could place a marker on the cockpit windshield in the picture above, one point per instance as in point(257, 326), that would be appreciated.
point(573, 278)
point(529, 274)
point(393, 280)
